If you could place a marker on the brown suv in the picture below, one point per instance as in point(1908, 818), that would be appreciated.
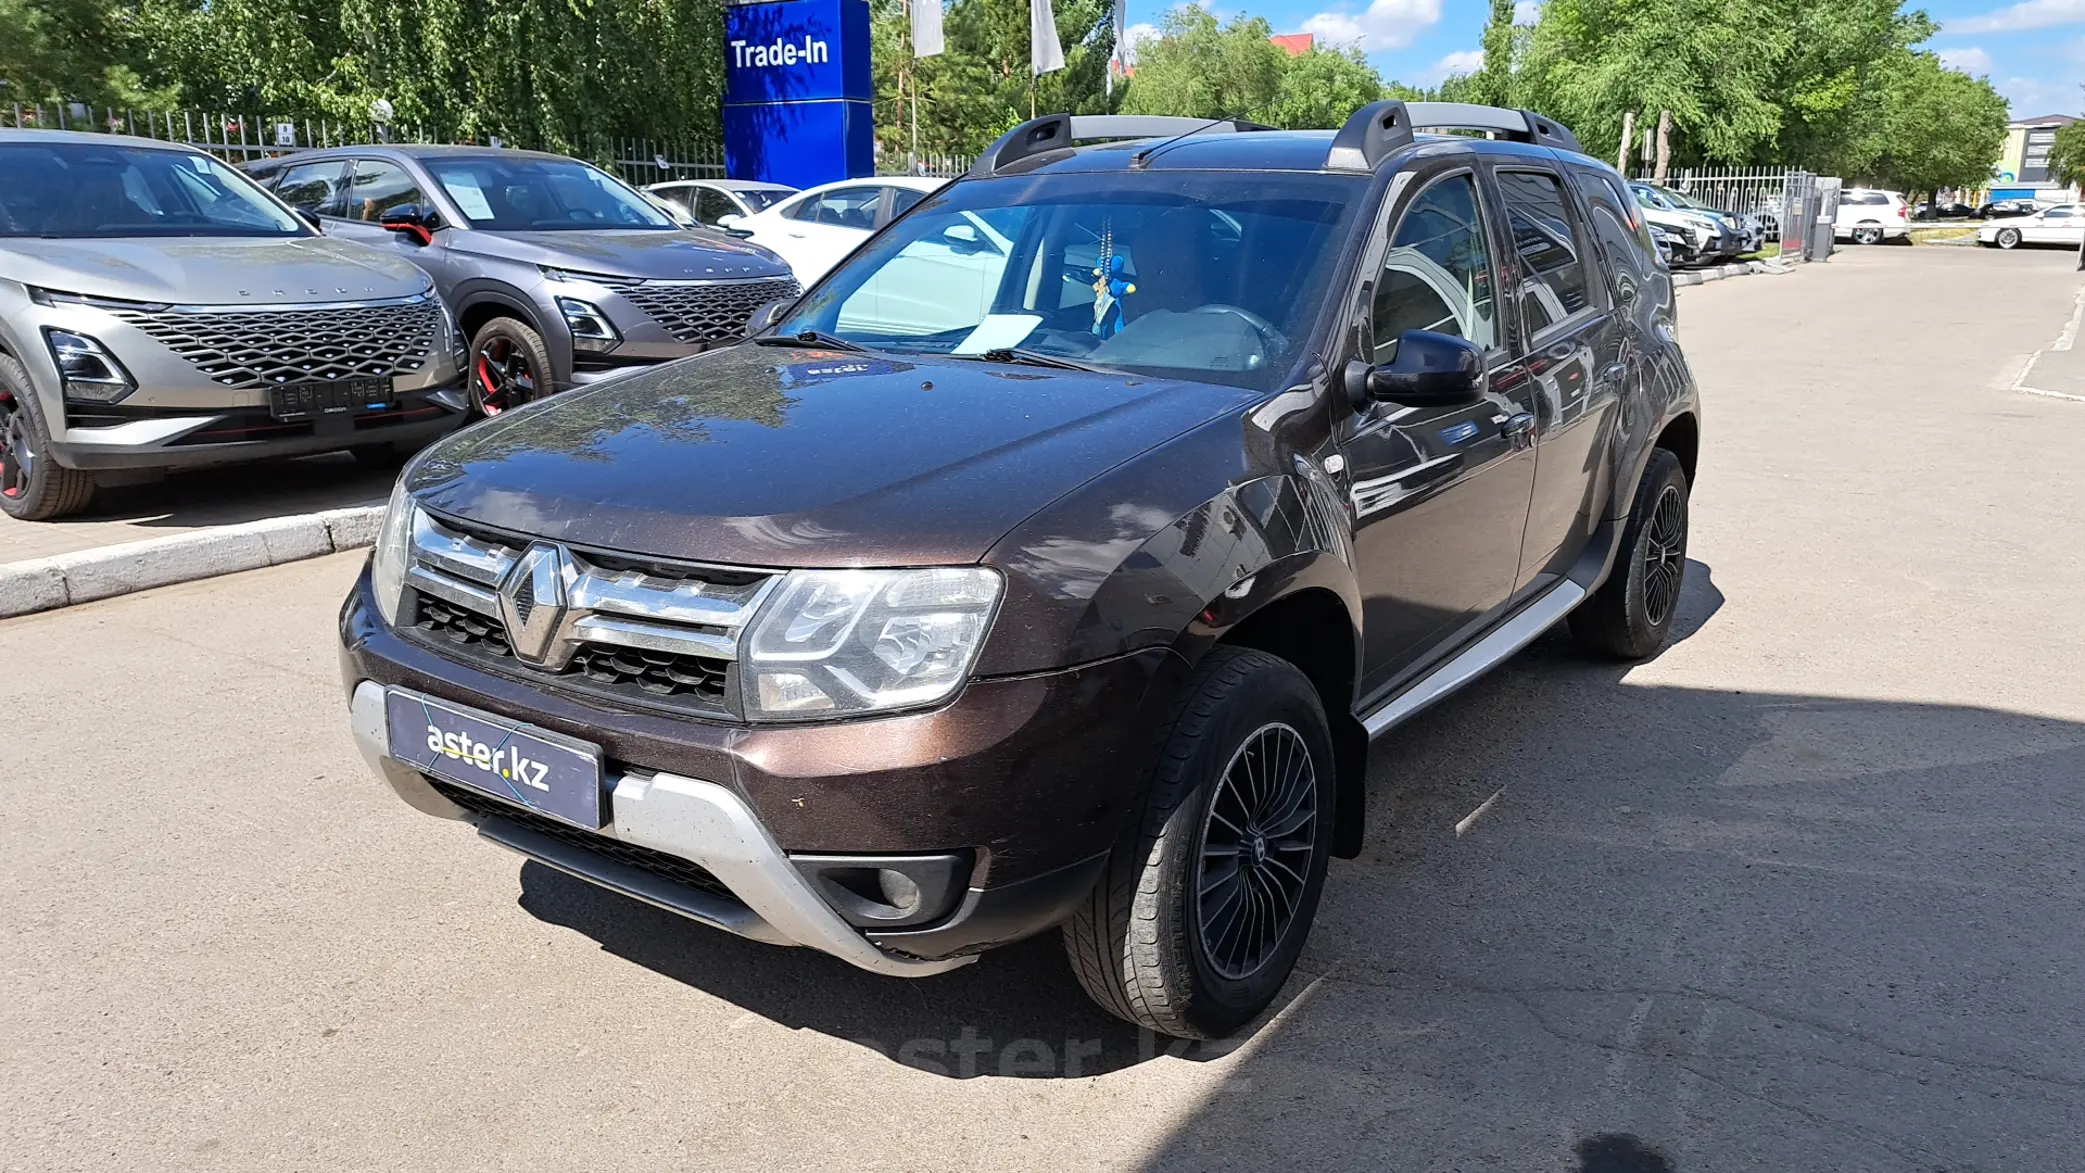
point(1054, 560)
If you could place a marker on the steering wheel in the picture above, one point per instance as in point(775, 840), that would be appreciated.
point(1275, 339)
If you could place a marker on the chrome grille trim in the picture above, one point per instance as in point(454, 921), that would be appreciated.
point(620, 608)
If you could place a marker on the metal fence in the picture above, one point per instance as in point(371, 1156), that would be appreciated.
point(945, 166)
point(239, 138)
point(1730, 189)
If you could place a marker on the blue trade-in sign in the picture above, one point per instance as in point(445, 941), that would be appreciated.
point(797, 51)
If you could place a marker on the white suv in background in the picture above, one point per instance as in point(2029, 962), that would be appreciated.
point(1870, 216)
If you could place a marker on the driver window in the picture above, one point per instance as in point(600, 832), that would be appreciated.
point(1437, 275)
point(379, 187)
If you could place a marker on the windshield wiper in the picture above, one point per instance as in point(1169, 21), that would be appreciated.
point(809, 338)
point(1031, 358)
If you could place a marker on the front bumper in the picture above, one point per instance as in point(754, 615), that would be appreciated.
point(1016, 774)
point(190, 439)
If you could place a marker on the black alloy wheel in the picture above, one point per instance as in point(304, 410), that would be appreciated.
point(1665, 556)
point(1256, 850)
point(17, 449)
point(504, 375)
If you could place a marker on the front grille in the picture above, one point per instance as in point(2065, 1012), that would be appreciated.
point(662, 674)
point(266, 348)
point(480, 634)
point(708, 312)
point(658, 863)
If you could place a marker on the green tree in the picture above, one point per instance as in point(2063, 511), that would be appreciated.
point(1939, 127)
point(978, 88)
point(75, 50)
point(2067, 155)
point(1201, 69)
point(1319, 89)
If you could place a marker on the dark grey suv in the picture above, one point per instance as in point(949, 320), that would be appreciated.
point(558, 272)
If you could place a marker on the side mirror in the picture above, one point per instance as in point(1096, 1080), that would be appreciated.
point(765, 317)
point(413, 220)
point(965, 240)
point(310, 218)
point(1429, 370)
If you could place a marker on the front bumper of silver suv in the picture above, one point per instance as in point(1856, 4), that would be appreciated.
point(183, 385)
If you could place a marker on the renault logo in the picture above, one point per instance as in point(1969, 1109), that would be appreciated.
point(533, 600)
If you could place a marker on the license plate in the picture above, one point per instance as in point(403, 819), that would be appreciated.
point(301, 401)
point(541, 770)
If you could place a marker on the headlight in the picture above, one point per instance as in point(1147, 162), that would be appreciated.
point(839, 642)
point(591, 329)
point(388, 561)
point(88, 370)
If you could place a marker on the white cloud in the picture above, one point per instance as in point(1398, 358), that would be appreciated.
point(1384, 24)
point(1461, 61)
point(2031, 97)
point(1527, 11)
point(1970, 60)
point(2028, 14)
point(1133, 38)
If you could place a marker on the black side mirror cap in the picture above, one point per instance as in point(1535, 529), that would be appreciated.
point(1429, 370)
point(765, 317)
point(413, 220)
point(311, 219)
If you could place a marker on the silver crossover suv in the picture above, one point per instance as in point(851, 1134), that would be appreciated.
point(157, 310)
point(560, 273)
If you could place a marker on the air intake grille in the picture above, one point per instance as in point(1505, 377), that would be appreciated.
point(658, 863)
point(709, 312)
point(265, 348)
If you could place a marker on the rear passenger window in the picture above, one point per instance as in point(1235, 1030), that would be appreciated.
point(1553, 285)
point(378, 188)
point(1616, 223)
point(1437, 275)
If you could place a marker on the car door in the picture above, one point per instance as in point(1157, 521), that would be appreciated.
point(813, 233)
point(1574, 361)
point(1438, 495)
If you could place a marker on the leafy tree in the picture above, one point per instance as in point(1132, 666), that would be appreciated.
point(1940, 127)
point(1319, 89)
point(74, 50)
point(2067, 155)
point(978, 88)
point(1200, 69)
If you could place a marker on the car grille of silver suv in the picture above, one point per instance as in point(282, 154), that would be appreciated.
point(706, 312)
point(652, 634)
point(240, 347)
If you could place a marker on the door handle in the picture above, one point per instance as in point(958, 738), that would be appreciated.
point(1519, 430)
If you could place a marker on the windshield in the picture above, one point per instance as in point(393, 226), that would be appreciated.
point(1189, 274)
point(62, 189)
point(760, 199)
point(522, 194)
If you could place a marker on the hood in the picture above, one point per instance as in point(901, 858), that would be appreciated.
point(665, 253)
point(784, 457)
point(221, 270)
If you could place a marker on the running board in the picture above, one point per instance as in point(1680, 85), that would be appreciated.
point(1477, 659)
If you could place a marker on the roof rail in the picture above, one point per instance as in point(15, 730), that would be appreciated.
point(1055, 132)
point(1379, 128)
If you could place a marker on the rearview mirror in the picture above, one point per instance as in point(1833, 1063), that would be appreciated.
point(765, 317)
point(1429, 370)
point(411, 220)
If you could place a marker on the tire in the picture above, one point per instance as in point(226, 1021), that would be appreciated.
point(1630, 616)
point(2008, 238)
point(509, 366)
point(33, 485)
point(1867, 234)
point(1141, 945)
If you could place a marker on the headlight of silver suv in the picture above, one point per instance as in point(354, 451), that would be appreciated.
point(87, 368)
point(387, 562)
point(840, 642)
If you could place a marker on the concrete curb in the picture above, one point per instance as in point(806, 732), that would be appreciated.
point(42, 584)
point(1688, 277)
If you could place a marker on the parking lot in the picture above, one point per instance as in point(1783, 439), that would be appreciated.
point(1802, 893)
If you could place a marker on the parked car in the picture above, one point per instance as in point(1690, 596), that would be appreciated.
point(1747, 229)
point(559, 273)
point(814, 228)
point(2007, 209)
point(157, 310)
point(1663, 241)
point(1942, 211)
point(1098, 629)
point(1696, 237)
point(708, 201)
point(2064, 225)
point(1871, 216)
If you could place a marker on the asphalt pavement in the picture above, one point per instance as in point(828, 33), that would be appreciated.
point(1800, 894)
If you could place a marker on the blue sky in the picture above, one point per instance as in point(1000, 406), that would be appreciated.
point(2033, 51)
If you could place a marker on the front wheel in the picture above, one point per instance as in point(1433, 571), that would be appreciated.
point(2008, 238)
point(510, 366)
point(1206, 901)
point(33, 485)
point(1867, 234)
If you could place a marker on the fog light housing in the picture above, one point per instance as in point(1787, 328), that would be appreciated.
point(888, 891)
point(592, 332)
point(86, 369)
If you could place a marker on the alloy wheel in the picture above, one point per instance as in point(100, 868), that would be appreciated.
point(1257, 844)
point(1664, 556)
point(1867, 235)
point(505, 377)
point(17, 454)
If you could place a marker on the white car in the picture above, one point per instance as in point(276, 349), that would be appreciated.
point(707, 201)
point(816, 227)
point(1870, 216)
point(2063, 224)
point(1695, 236)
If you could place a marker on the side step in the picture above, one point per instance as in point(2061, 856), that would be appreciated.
point(1477, 659)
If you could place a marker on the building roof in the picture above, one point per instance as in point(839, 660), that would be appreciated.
point(1295, 44)
point(2045, 120)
